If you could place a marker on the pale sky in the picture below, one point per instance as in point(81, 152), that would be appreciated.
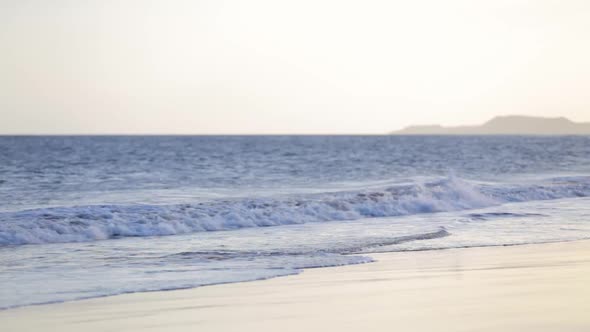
point(270, 66)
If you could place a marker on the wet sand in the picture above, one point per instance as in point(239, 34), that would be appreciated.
point(543, 287)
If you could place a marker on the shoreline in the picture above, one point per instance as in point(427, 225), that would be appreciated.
point(370, 255)
point(532, 287)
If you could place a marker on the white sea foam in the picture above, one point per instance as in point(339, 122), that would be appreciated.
point(98, 222)
point(69, 271)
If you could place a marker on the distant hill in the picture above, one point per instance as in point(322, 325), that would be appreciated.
point(506, 125)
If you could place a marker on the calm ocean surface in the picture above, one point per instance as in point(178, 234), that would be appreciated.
point(83, 217)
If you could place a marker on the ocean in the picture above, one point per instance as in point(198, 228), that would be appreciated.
point(84, 216)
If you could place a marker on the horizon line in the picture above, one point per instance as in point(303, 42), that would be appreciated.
point(265, 134)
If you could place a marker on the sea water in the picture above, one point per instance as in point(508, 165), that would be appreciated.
point(84, 217)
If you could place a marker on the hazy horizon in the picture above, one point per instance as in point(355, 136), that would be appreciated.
point(182, 67)
point(558, 131)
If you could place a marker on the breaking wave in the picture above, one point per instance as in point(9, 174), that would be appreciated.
point(99, 222)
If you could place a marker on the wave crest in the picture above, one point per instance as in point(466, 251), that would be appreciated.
point(99, 222)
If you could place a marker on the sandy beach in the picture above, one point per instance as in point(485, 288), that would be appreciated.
point(540, 287)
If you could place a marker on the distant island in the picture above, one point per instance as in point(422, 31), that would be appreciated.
point(506, 125)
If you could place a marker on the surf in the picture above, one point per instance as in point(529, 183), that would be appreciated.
point(101, 222)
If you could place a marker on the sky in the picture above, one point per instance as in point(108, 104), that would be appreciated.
point(287, 67)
